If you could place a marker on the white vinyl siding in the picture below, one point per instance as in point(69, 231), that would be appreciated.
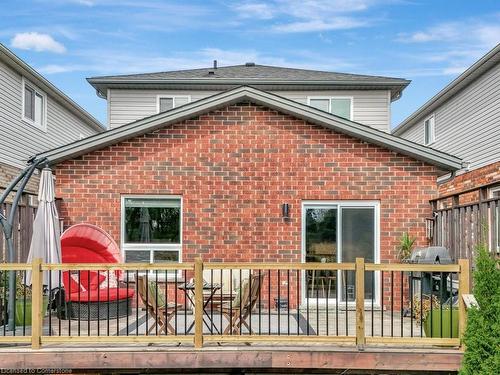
point(467, 124)
point(370, 107)
point(19, 141)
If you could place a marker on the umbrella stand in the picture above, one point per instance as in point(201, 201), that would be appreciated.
point(7, 223)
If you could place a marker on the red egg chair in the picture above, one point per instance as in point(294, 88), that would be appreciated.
point(92, 295)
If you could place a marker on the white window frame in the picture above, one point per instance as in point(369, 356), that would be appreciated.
point(339, 204)
point(43, 125)
point(148, 246)
point(432, 138)
point(494, 247)
point(173, 97)
point(329, 98)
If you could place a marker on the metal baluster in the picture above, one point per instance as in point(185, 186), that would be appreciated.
point(402, 292)
point(392, 303)
point(451, 305)
point(79, 298)
point(107, 291)
point(212, 302)
point(269, 300)
point(382, 303)
point(221, 298)
point(317, 311)
point(239, 323)
point(250, 300)
point(298, 302)
point(307, 310)
point(346, 306)
point(432, 297)
point(166, 296)
point(176, 272)
point(98, 306)
point(421, 303)
point(137, 302)
point(50, 291)
point(127, 281)
point(288, 298)
point(279, 303)
point(373, 296)
point(88, 307)
point(411, 303)
point(441, 302)
point(231, 301)
point(260, 304)
point(156, 303)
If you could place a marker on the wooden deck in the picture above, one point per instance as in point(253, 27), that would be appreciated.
point(229, 358)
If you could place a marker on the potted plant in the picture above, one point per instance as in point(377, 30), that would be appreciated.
point(439, 320)
point(405, 247)
point(24, 303)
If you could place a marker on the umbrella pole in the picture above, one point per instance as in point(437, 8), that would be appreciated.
point(25, 175)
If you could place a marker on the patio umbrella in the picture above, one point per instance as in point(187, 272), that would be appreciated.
point(145, 227)
point(45, 241)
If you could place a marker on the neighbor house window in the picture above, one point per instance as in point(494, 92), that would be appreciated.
point(339, 106)
point(429, 131)
point(151, 229)
point(495, 222)
point(34, 106)
point(166, 103)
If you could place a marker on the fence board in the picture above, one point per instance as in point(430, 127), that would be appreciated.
point(22, 229)
point(462, 227)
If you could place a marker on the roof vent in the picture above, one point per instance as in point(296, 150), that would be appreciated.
point(211, 73)
point(250, 64)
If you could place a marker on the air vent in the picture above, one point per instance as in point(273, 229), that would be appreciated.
point(250, 64)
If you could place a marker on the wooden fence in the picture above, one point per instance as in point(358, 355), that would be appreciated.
point(460, 227)
point(21, 231)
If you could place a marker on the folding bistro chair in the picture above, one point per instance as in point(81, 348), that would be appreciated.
point(243, 303)
point(154, 300)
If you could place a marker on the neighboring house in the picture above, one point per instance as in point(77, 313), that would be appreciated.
point(247, 175)
point(463, 119)
point(360, 98)
point(34, 116)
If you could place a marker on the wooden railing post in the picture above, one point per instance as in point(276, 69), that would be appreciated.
point(360, 303)
point(198, 303)
point(36, 303)
point(463, 288)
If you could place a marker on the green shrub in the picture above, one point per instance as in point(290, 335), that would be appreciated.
point(482, 336)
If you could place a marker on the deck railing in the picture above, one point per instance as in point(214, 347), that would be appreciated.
point(355, 303)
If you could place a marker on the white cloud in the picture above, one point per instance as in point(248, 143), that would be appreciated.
point(37, 42)
point(301, 16)
point(338, 23)
point(261, 11)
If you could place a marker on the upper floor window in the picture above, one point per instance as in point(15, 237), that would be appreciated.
point(34, 106)
point(429, 131)
point(338, 106)
point(166, 103)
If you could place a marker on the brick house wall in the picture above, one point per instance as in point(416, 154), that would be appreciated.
point(234, 168)
point(487, 175)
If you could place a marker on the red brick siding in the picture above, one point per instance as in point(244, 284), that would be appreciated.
point(487, 175)
point(234, 168)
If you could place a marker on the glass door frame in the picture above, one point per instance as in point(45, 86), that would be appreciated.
point(339, 205)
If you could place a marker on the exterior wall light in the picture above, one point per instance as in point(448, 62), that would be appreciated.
point(286, 210)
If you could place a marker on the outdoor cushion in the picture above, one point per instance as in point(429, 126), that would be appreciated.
point(152, 290)
point(101, 295)
point(239, 293)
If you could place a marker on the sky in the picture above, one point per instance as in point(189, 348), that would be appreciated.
point(428, 42)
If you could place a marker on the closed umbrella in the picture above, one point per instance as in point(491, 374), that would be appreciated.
point(145, 226)
point(45, 241)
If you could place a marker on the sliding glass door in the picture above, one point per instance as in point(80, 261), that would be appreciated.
point(338, 232)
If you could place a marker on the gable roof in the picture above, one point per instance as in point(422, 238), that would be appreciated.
point(481, 66)
point(442, 160)
point(250, 74)
point(20, 66)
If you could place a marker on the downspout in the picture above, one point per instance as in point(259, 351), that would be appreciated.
point(7, 224)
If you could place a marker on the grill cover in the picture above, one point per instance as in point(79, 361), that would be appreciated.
point(431, 255)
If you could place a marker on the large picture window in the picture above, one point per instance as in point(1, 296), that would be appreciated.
point(151, 229)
